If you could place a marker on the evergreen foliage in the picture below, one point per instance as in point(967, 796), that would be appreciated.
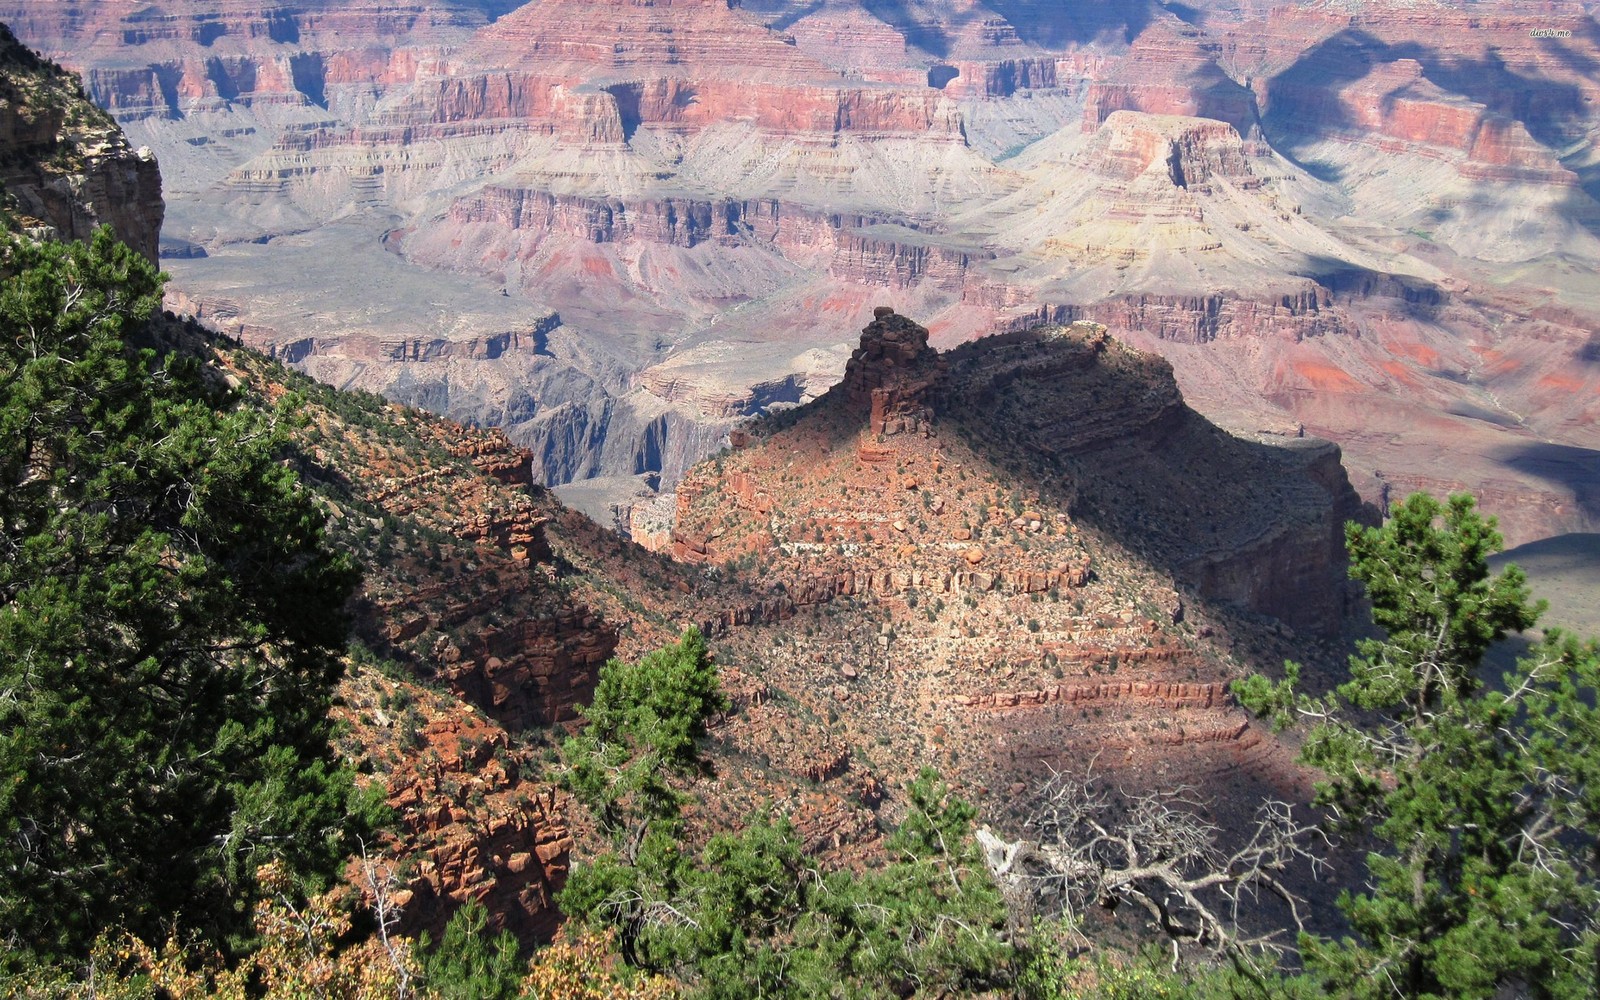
point(469, 963)
point(1050, 971)
point(1486, 798)
point(169, 624)
point(752, 914)
point(644, 729)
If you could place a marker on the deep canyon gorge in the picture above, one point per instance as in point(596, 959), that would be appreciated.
point(615, 229)
point(989, 382)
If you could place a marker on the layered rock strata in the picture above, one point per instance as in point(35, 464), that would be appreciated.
point(65, 166)
point(712, 179)
point(1044, 562)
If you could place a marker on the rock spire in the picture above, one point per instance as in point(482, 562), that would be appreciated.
point(892, 374)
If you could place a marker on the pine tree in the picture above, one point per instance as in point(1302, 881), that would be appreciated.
point(169, 623)
point(470, 963)
point(751, 914)
point(1485, 797)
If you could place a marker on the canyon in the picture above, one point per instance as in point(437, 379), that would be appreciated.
point(1015, 555)
point(616, 230)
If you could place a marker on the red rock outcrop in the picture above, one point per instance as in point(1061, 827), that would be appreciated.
point(1171, 69)
point(621, 34)
point(475, 828)
point(609, 116)
point(892, 374)
point(1168, 695)
point(1112, 417)
point(685, 63)
point(1475, 86)
point(493, 453)
point(1193, 152)
point(1004, 591)
point(1001, 78)
point(1396, 108)
point(980, 55)
point(473, 605)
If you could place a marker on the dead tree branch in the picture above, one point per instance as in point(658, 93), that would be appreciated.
point(1087, 844)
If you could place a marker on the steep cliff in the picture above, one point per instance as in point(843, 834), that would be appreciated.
point(65, 166)
point(1372, 220)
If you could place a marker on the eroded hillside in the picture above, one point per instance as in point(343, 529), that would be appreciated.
point(909, 571)
point(1025, 555)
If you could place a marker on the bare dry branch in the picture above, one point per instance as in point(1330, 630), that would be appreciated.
point(1087, 845)
point(381, 880)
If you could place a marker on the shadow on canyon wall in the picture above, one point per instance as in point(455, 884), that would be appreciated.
point(1417, 298)
point(1049, 24)
point(1102, 432)
point(1567, 466)
point(1301, 106)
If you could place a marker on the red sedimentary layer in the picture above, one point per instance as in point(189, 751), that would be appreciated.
point(851, 246)
point(137, 60)
point(1170, 694)
point(1171, 69)
point(477, 830)
point(601, 112)
point(621, 35)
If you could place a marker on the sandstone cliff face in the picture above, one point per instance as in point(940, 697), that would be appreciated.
point(66, 167)
point(1230, 184)
point(856, 247)
point(996, 559)
point(168, 63)
point(1396, 107)
point(845, 241)
point(1143, 465)
point(1200, 319)
point(1171, 69)
point(1293, 572)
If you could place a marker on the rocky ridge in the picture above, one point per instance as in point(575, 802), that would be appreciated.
point(1391, 247)
point(65, 166)
point(486, 611)
point(466, 646)
point(1022, 554)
